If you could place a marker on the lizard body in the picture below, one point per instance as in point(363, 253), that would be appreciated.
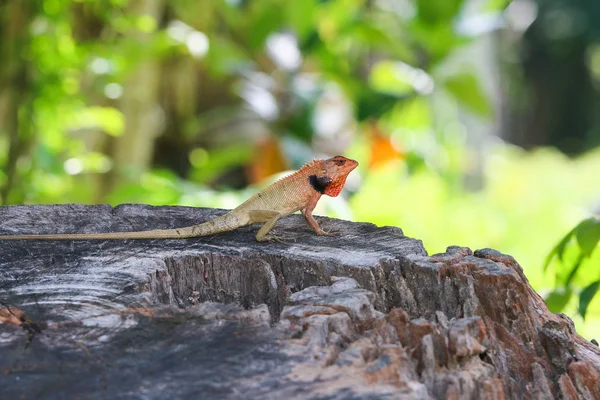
point(299, 191)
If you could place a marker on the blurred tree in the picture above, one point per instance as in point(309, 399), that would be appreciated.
point(560, 55)
point(16, 93)
point(126, 86)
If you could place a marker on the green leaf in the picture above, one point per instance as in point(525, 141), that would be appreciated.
point(225, 57)
point(586, 296)
point(391, 78)
point(300, 15)
point(264, 18)
point(413, 114)
point(559, 249)
point(219, 160)
point(109, 119)
point(465, 88)
point(435, 11)
point(496, 5)
point(558, 299)
point(549, 258)
point(588, 235)
point(574, 270)
point(438, 41)
point(371, 104)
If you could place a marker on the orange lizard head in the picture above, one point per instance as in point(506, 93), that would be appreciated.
point(330, 175)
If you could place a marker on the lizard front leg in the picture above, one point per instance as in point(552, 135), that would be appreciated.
point(312, 222)
point(269, 218)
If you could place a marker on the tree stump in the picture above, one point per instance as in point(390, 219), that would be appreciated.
point(364, 315)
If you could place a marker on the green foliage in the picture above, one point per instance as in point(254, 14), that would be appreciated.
point(578, 267)
point(588, 235)
point(208, 166)
point(586, 296)
point(465, 88)
point(495, 5)
point(557, 300)
point(108, 119)
point(85, 53)
point(433, 12)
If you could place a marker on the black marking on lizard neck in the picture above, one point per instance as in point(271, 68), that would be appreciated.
point(319, 183)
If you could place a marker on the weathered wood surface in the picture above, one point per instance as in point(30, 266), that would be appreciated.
point(227, 317)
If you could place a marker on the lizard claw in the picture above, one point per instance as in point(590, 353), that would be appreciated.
point(279, 239)
point(328, 233)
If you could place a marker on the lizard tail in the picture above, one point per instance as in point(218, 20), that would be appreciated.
point(223, 223)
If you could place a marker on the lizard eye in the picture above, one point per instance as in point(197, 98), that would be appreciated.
point(340, 162)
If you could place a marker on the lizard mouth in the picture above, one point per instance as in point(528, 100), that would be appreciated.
point(351, 165)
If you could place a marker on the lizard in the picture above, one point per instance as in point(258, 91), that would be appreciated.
point(299, 191)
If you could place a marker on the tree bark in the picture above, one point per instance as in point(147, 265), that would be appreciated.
point(365, 315)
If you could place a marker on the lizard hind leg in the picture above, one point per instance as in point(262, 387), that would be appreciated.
point(269, 218)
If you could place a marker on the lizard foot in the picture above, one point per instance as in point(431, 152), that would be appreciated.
point(328, 233)
point(277, 239)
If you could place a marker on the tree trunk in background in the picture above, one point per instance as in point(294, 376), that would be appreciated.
point(15, 17)
point(133, 151)
point(553, 99)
